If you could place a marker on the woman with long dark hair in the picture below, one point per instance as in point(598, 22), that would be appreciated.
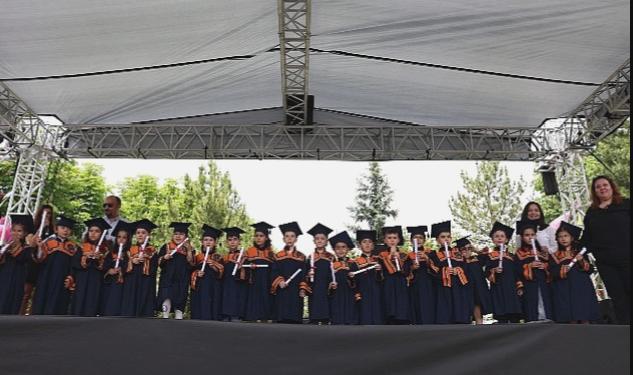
point(607, 235)
point(545, 234)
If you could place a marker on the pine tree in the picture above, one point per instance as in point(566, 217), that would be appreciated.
point(373, 200)
point(488, 197)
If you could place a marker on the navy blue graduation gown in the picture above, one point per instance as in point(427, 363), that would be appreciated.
point(52, 294)
point(343, 307)
point(573, 292)
point(259, 301)
point(369, 286)
point(423, 290)
point(288, 304)
point(13, 271)
point(318, 300)
point(535, 282)
point(175, 277)
point(453, 293)
point(112, 287)
point(88, 276)
point(206, 291)
point(233, 287)
point(139, 283)
point(478, 285)
point(395, 287)
point(504, 285)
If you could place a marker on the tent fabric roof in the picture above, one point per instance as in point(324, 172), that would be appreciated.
point(569, 40)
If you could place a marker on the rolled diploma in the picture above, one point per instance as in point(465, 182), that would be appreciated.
point(364, 269)
point(293, 276)
point(448, 255)
point(415, 248)
point(118, 257)
point(573, 261)
point(206, 256)
point(502, 249)
point(178, 246)
point(41, 230)
point(237, 263)
point(534, 250)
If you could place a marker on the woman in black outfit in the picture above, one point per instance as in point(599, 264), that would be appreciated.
point(607, 235)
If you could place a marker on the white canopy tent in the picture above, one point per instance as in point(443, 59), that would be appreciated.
point(397, 79)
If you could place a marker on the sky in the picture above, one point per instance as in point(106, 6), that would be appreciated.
point(279, 191)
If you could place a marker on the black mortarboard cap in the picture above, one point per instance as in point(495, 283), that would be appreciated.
point(144, 224)
point(97, 222)
point(439, 228)
point(290, 227)
point(364, 234)
point(420, 229)
point(64, 221)
point(26, 220)
point(497, 226)
point(180, 227)
point(394, 229)
point(209, 231)
point(525, 224)
point(380, 247)
point(319, 229)
point(462, 242)
point(573, 230)
point(262, 227)
point(233, 231)
point(342, 237)
point(122, 225)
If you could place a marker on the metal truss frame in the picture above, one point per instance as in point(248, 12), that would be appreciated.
point(34, 143)
point(319, 142)
point(294, 43)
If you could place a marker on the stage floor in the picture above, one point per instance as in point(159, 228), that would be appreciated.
point(72, 345)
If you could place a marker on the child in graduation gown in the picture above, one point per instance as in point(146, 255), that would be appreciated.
point(423, 286)
point(113, 265)
point(505, 286)
point(43, 219)
point(368, 283)
point(206, 284)
point(573, 292)
point(88, 269)
point(396, 268)
point(233, 283)
point(54, 282)
point(289, 294)
point(343, 296)
point(532, 268)
point(14, 258)
point(139, 280)
point(258, 267)
point(479, 291)
point(320, 276)
point(176, 262)
point(453, 293)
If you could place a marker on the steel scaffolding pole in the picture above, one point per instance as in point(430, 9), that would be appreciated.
point(294, 43)
point(34, 143)
point(605, 110)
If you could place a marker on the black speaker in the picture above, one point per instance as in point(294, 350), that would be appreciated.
point(294, 100)
point(550, 185)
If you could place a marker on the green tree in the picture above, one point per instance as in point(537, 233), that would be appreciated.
point(208, 199)
point(75, 191)
point(374, 198)
point(488, 197)
point(7, 169)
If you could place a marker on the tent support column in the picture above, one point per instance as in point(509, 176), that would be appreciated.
point(294, 43)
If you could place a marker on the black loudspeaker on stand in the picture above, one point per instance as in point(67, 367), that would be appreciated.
point(550, 185)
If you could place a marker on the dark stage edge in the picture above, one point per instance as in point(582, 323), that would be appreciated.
point(72, 345)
